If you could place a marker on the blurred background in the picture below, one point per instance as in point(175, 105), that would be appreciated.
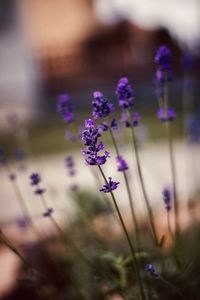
point(51, 47)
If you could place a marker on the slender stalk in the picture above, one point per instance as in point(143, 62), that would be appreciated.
point(135, 262)
point(169, 226)
point(130, 198)
point(153, 229)
point(172, 163)
point(62, 234)
point(4, 239)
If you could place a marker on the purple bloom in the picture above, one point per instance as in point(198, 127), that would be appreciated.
point(48, 212)
point(124, 119)
point(90, 136)
point(171, 114)
point(35, 178)
point(163, 59)
point(113, 124)
point(39, 191)
point(90, 139)
point(64, 107)
point(151, 270)
point(70, 165)
point(70, 136)
point(101, 107)
point(167, 198)
point(109, 186)
point(124, 93)
point(89, 123)
point(164, 117)
point(163, 56)
point(136, 119)
point(122, 165)
point(103, 127)
point(68, 117)
point(129, 123)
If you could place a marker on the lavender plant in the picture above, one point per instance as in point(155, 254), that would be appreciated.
point(164, 75)
point(106, 263)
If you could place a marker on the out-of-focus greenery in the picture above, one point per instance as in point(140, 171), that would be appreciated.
point(86, 265)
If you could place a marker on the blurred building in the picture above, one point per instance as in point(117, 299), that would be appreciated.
point(48, 47)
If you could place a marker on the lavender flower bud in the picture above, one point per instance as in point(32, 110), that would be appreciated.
point(110, 186)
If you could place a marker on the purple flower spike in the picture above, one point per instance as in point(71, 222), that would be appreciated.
point(136, 119)
point(69, 161)
point(68, 117)
point(167, 198)
point(110, 186)
point(151, 270)
point(113, 124)
point(164, 117)
point(89, 123)
point(171, 114)
point(48, 212)
point(124, 93)
point(63, 103)
point(103, 127)
point(64, 107)
point(35, 178)
point(163, 56)
point(122, 165)
point(163, 59)
point(101, 107)
point(90, 139)
point(124, 119)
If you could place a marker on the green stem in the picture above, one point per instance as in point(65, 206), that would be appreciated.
point(130, 198)
point(143, 187)
point(169, 226)
point(172, 163)
point(135, 262)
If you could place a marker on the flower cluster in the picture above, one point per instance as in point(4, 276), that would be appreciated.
point(48, 212)
point(134, 120)
point(104, 126)
point(164, 116)
point(101, 107)
point(90, 139)
point(151, 270)
point(167, 198)
point(69, 162)
point(122, 164)
point(35, 180)
point(163, 59)
point(109, 186)
point(64, 107)
point(124, 93)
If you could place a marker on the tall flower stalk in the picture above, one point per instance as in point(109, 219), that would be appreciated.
point(102, 109)
point(94, 157)
point(125, 97)
point(163, 76)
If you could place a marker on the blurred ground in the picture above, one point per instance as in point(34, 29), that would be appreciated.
point(155, 166)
